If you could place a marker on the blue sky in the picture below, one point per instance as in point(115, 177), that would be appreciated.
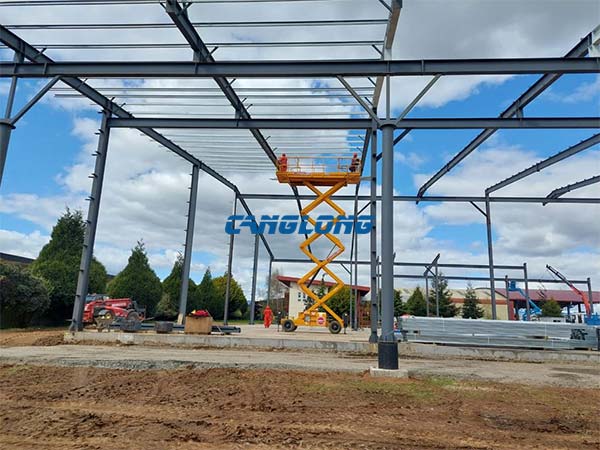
point(50, 156)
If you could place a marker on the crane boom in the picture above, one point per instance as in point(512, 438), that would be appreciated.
point(561, 277)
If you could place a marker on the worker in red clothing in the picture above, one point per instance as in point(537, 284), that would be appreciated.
point(283, 163)
point(267, 316)
point(355, 163)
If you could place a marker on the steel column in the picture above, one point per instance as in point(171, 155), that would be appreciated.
point(269, 282)
point(437, 292)
point(488, 224)
point(6, 126)
point(229, 264)
point(387, 348)
point(426, 294)
point(527, 306)
point(590, 295)
point(90, 226)
point(254, 270)
point(373, 239)
point(189, 244)
point(508, 311)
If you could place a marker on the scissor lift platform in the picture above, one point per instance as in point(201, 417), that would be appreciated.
point(334, 173)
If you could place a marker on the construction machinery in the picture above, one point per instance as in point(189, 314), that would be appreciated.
point(103, 311)
point(536, 311)
point(332, 173)
point(590, 317)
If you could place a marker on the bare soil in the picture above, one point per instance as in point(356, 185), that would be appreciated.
point(91, 408)
point(29, 336)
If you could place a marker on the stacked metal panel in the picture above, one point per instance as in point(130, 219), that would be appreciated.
point(498, 333)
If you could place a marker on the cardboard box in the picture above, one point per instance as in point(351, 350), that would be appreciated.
point(198, 325)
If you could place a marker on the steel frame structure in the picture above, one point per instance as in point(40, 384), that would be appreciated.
point(31, 62)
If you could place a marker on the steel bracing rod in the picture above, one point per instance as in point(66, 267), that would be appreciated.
point(91, 223)
point(299, 69)
point(17, 44)
point(353, 124)
point(36, 98)
point(410, 264)
point(240, 90)
point(189, 245)
point(359, 99)
point(573, 150)
point(228, 24)
point(419, 96)
point(579, 51)
point(469, 278)
point(401, 135)
point(412, 198)
point(573, 186)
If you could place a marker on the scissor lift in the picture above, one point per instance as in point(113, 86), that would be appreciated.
point(334, 173)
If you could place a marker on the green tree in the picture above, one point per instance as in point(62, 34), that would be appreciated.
point(238, 304)
point(340, 302)
point(447, 308)
point(551, 308)
point(204, 296)
point(137, 281)
point(471, 308)
point(171, 287)
point(399, 306)
point(23, 297)
point(58, 264)
point(415, 305)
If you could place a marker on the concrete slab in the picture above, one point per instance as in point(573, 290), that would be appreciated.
point(318, 340)
point(386, 373)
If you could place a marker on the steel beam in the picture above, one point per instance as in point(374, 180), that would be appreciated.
point(254, 272)
point(573, 150)
point(91, 223)
point(354, 124)
point(189, 245)
point(407, 264)
point(472, 278)
point(571, 187)
point(387, 345)
point(579, 51)
point(441, 199)
point(299, 69)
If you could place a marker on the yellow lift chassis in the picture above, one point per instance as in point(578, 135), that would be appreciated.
point(302, 171)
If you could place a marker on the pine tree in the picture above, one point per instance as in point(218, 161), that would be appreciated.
point(399, 306)
point(415, 305)
point(471, 308)
point(238, 304)
point(447, 308)
point(137, 281)
point(168, 306)
point(58, 264)
point(551, 308)
point(205, 296)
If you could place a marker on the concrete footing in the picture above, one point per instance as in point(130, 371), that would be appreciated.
point(327, 344)
point(387, 373)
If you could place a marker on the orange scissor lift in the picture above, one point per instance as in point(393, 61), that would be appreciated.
point(333, 173)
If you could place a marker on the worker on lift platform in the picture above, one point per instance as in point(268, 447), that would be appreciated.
point(355, 163)
point(283, 163)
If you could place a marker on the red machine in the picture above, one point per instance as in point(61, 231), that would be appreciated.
point(108, 309)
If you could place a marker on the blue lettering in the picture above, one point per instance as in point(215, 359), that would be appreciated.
point(288, 224)
point(230, 224)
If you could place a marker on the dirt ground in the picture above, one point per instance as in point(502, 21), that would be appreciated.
point(91, 408)
point(29, 336)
